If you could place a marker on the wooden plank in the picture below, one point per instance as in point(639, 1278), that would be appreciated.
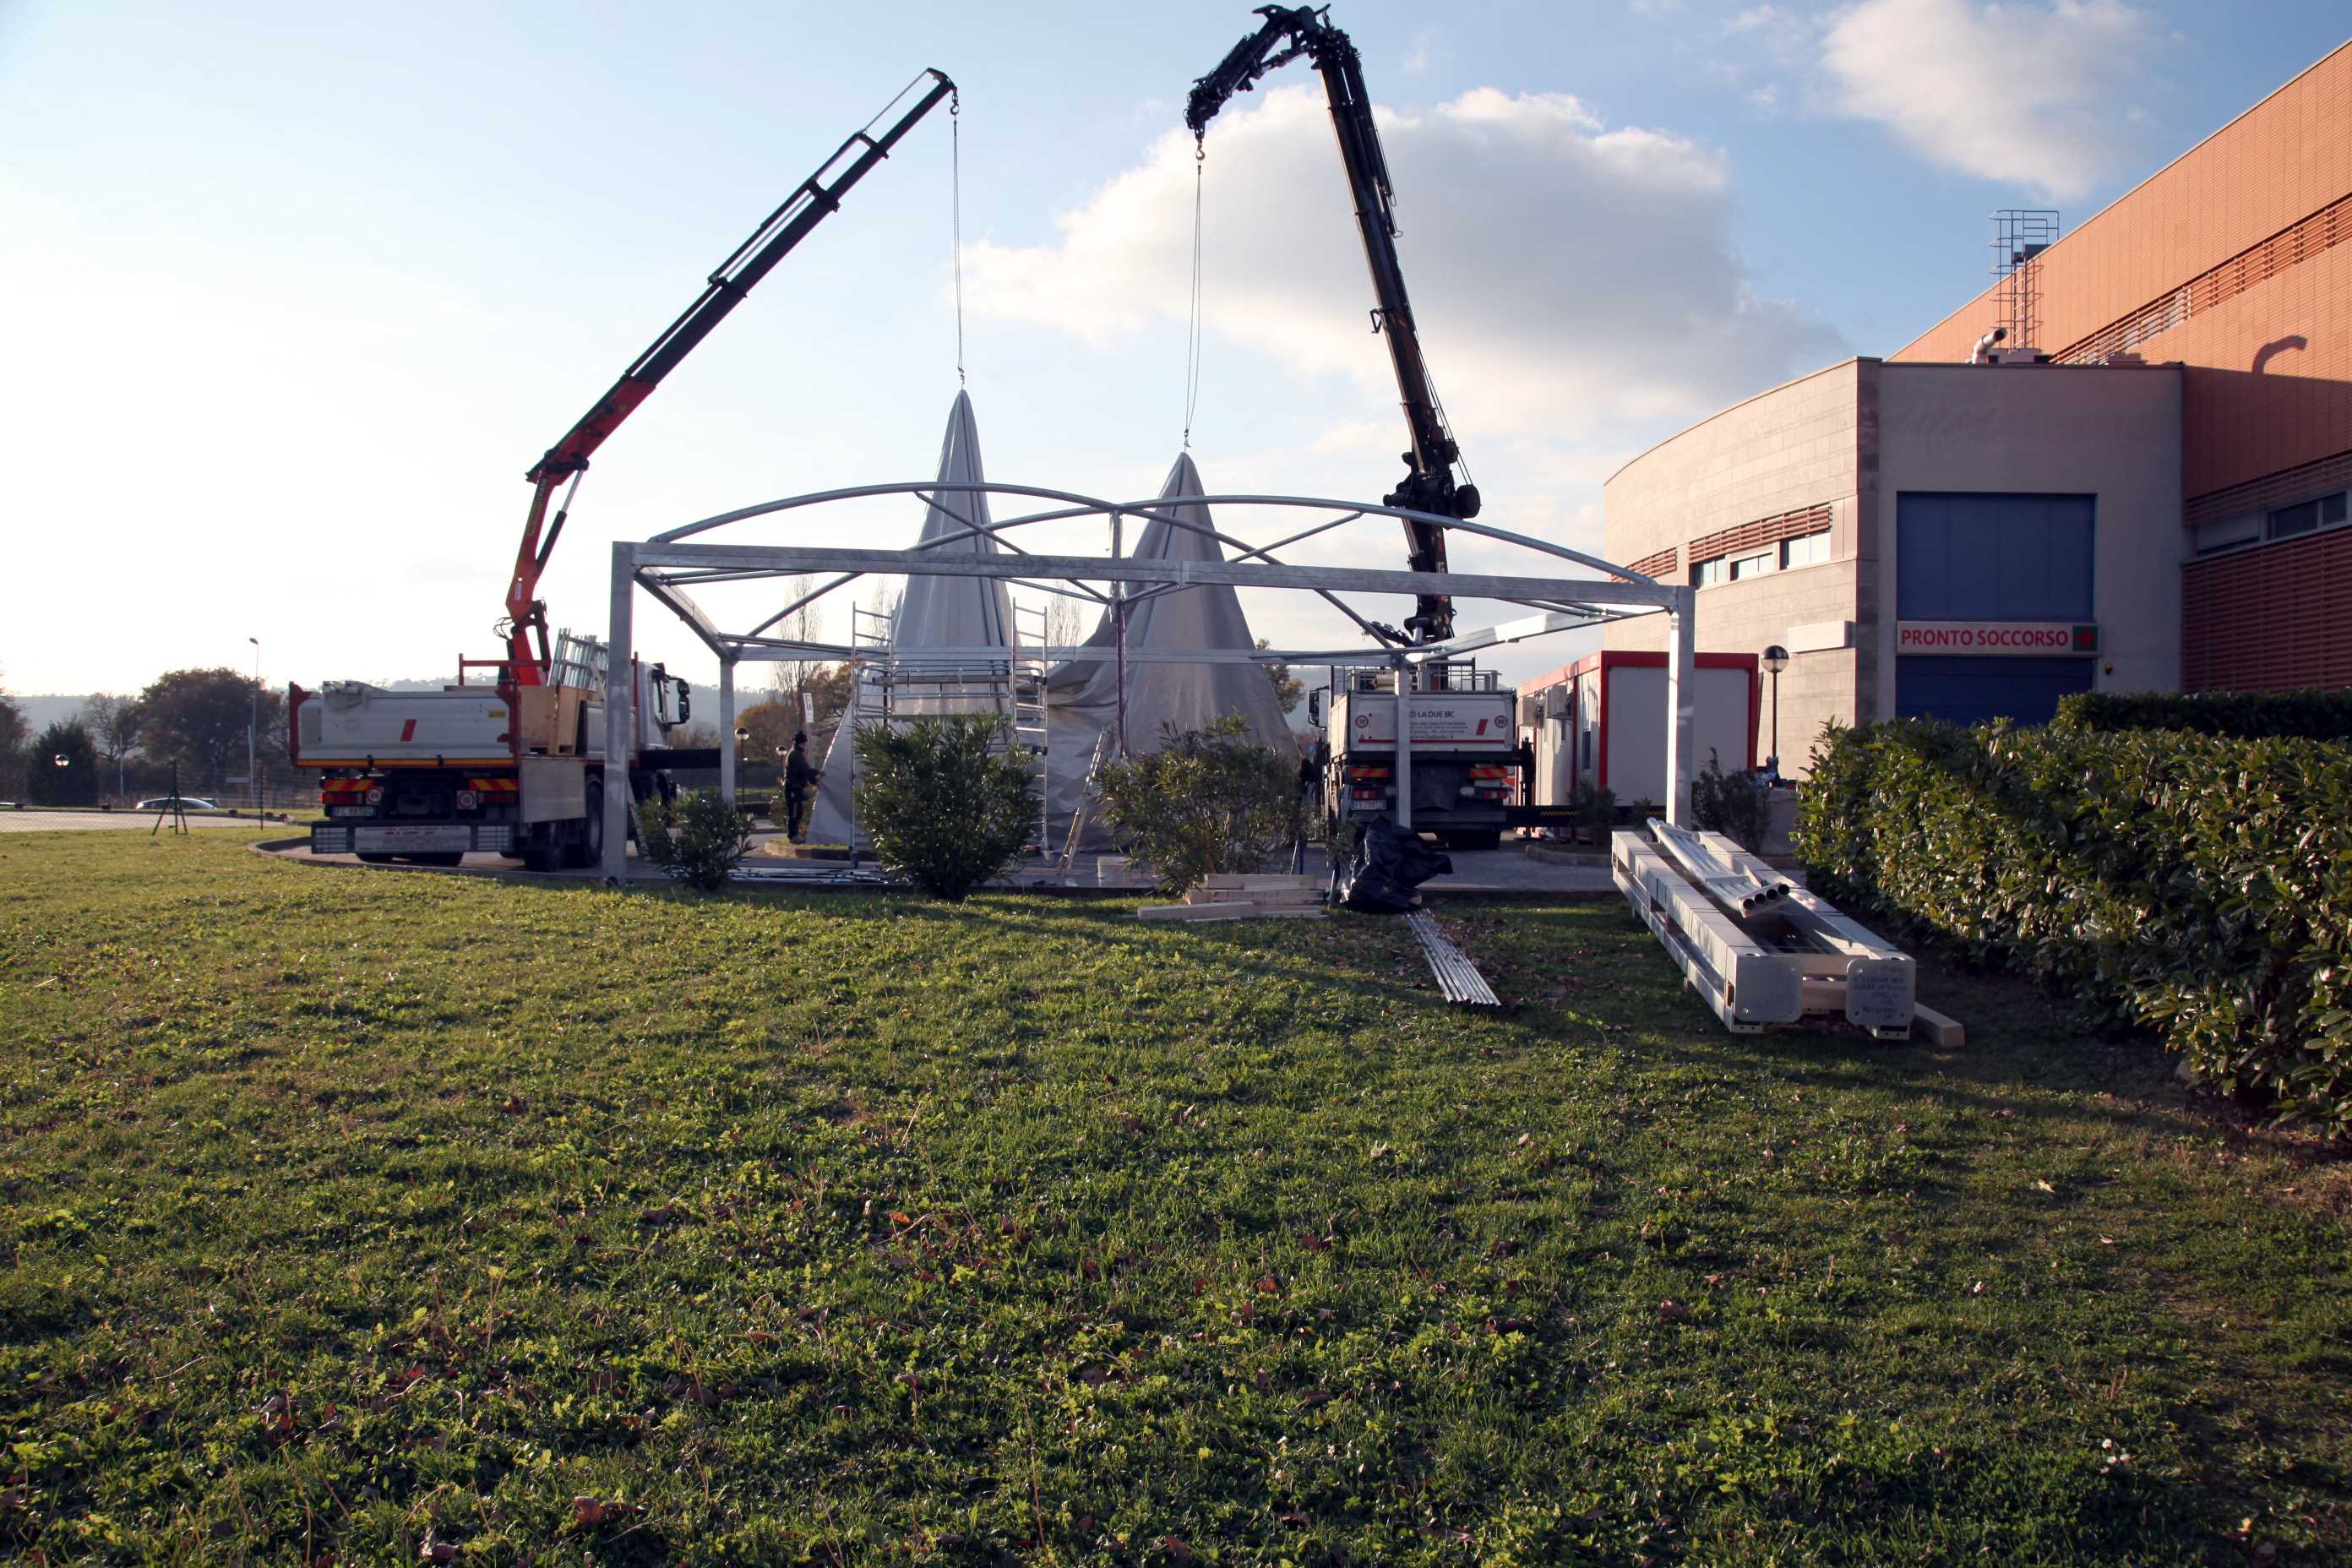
point(1308, 894)
point(1258, 880)
point(1205, 912)
point(1937, 1029)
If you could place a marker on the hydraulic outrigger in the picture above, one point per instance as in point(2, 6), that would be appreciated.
point(1429, 484)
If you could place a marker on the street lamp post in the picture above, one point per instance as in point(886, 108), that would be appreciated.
point(1776, 659)
point(253, 733)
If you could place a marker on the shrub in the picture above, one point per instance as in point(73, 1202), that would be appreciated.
point(1339, 833)
point(2200, 885)
point(1208, 803)
point(1735, 804)
point(2313, 714)
point(1596, 811)
point(699, 838)
point(76, 783)
point(946, 803)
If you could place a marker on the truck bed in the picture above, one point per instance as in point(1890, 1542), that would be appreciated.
point(349, 724)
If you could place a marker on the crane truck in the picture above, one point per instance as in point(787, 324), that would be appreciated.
point(515, 763)
point(1461, 751)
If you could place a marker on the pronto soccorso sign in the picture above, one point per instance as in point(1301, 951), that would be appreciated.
point(2037, 637)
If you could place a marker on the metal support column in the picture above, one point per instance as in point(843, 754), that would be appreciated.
point(620, 713)
point(1403, 769)
point(1682, 693)
point(727, 745)
point(1118, 648)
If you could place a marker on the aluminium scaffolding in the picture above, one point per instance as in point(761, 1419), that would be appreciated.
point(888, 684)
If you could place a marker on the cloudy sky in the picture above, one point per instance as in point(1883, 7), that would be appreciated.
point(294, 294)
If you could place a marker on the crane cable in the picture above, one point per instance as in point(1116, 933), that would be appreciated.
point(955, 202)
point(1192, 344)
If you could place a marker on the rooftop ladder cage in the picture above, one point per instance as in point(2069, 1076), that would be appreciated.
point(2019, 235)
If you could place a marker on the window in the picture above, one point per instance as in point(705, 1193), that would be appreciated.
point(1707, 573)
point(1805, 549)
point(1756, 565)
point(2306, 516)
point(2289, 521)
point(2227, 533)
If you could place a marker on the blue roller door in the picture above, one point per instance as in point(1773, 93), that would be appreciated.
point(1985, 557)
point(1992, 557)
point(1978, 690)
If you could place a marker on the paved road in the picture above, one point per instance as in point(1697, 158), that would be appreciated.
point(60, 821)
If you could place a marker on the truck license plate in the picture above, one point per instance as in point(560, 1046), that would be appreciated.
point(411, 840)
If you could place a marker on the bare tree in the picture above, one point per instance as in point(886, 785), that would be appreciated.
point(793, 676)
point(113, 724)
point(1066, 621)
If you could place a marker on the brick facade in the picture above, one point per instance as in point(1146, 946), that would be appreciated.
point(2235, 262)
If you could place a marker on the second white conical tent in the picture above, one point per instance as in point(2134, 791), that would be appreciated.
point(1083, 695)
point(934, 612)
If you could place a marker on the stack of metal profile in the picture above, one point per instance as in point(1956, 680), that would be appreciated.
point(1457, 977)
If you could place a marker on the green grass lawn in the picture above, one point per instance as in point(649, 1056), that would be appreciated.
point(354, 1215)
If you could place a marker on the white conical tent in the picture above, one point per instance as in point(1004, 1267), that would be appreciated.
point(1083, 694)
point(935, 612)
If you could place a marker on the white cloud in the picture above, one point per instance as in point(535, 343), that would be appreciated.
point(1429, 48)
point(2026, 93)
point(1571, 281)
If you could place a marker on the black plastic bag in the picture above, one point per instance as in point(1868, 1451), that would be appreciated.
point(1389, 863)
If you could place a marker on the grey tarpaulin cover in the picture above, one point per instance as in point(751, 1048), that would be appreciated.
point(1083, 695)
point(934, 613)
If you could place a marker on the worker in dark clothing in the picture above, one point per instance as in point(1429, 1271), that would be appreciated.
point(799, 779)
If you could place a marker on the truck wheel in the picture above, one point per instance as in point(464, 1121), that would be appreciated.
point(543, 853)
point(588, 852)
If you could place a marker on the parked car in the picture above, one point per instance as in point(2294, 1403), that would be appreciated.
point(185, 802)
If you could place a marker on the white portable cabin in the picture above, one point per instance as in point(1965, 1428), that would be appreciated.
point(1603, 721)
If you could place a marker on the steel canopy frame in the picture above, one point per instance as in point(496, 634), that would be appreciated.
point(668, 566)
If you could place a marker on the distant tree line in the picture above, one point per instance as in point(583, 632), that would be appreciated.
point(120, 747)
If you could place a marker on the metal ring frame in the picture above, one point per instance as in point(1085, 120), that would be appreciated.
point(670, 564)
point(1582, 604)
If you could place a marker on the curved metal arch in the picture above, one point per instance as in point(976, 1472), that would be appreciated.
point(1078, 506)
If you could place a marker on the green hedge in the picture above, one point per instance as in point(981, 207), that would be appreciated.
point(2313, 714)
point(2196, 884)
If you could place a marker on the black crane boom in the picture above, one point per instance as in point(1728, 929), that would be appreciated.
point(1429, 484)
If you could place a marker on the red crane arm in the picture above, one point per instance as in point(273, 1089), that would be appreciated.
point(817, 198)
